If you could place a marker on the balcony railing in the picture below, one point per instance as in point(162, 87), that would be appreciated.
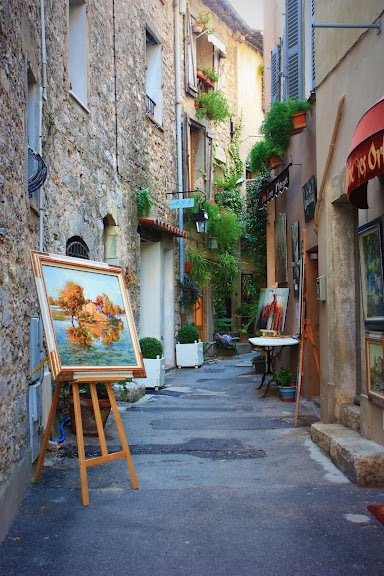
point(150, 106)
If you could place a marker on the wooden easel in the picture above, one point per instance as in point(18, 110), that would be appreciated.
point(306, 332)
point(105, 455)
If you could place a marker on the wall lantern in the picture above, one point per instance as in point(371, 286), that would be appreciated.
point(201, 217)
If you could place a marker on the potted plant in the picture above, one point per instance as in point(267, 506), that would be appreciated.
point(154, 362)
point(277, 128)
point(283, 379)
point(190, 293)
point(201, 21)
point(262, 156)
point(213, 105)
point(207, 75)
point(189, 348)
point(243, 333)
point(258, 362)
point(225, 345)
point(87, 412)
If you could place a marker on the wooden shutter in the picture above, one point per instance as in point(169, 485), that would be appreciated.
point(313, 45)
point(189, 56)
point(293, 47)
point(275, 74)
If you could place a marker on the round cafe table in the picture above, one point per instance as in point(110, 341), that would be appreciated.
point(271, 345)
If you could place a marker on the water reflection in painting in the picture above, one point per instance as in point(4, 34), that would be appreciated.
point(89, 318)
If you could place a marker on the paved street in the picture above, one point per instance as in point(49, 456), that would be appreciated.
point(228, 487)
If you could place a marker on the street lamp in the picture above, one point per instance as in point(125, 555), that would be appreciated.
point(201, 217)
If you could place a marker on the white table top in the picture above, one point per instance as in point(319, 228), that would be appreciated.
point(275, 341)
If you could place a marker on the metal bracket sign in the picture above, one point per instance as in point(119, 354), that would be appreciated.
point(182, 203)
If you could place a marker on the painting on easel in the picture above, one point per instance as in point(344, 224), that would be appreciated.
point(87, 318)
point(272, 309)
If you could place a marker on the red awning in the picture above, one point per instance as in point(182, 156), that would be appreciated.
point(366, 158)
point(162, 226)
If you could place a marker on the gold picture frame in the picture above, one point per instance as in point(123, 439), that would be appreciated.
point(88, 324)
point(374, 348)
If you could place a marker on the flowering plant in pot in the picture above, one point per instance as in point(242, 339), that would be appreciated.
point(225, 344)
point(189, 348)
point(154, 362)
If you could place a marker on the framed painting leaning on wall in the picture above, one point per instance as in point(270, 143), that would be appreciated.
point(87, 319)
point(374, 348)
point(371, 273)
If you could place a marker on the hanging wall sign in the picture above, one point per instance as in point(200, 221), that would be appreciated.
point(274, 188)
point(309, 198)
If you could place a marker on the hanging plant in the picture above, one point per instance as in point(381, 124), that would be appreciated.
point(200, 269)
point(144, 203)
point(190, 293)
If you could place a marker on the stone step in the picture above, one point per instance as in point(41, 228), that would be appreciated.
point(359, 459)
point(350, 416)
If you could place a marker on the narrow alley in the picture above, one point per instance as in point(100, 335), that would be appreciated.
point(227, 487)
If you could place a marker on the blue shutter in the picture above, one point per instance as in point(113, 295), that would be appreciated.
point(293, 48)
point(313, 45)
point(275, 74)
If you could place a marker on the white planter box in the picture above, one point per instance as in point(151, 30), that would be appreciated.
point(189, 355)
point(155, 369)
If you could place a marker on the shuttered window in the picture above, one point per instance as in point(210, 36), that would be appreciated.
point(189, 56)
point(275, 74)
point(293, 49)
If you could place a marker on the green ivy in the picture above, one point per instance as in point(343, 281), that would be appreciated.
point(254, 237)
point(143, 203)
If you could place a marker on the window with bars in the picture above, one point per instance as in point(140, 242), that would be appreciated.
point(77, 248)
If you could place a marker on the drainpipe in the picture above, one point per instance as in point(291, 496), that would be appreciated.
point(176, 6)
point(42, 96)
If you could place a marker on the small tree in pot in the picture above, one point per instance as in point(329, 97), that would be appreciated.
point(154, 362)
point(189, 349)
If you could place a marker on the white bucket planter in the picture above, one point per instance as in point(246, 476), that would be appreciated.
point(189, 355)
point(155, 369)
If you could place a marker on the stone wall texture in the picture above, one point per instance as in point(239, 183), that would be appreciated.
point(97, 157)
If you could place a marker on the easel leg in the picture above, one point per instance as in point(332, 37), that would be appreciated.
point(123, 439)
point(47, 432)
point(80, 444)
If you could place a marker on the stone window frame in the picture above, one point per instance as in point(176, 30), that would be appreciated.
point(78, 57)
point(153, 77)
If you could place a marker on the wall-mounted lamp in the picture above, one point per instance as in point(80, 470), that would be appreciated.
point(201, 217)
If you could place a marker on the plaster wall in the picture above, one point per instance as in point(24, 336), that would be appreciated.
point(331, 44)
point(341, 326)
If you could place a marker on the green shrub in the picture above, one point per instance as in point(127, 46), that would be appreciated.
point(214, 106)
point(188, 335)
point(151, 347)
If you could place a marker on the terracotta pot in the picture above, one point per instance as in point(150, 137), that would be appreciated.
point(273, 162)
point(187, 267)
point(88, 415)
point(208, 81)
point(244, 338)
point(299, 121)
point(197, 28)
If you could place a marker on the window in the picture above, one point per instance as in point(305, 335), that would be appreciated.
point(77, 248)
point(293, 59)
point(204, 49)
point(78, 51)
point(275, 74)
point(153, 78)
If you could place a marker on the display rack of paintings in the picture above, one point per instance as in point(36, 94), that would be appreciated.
point(374, 347)
point(371, 272)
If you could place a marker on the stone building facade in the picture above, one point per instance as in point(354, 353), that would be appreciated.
point(91, 87)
